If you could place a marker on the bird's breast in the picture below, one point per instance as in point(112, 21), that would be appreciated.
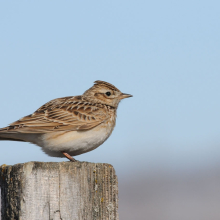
point(77, 142)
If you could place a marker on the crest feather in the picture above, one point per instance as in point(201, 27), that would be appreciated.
point(109, 85)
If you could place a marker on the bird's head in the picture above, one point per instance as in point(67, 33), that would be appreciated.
point(105, 93)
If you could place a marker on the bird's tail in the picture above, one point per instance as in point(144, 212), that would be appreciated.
point(8, 137)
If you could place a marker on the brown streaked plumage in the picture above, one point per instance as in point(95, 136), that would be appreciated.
point(71, 125)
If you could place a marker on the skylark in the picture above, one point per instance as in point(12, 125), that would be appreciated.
point(70, 126)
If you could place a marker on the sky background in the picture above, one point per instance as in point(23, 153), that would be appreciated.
point(165, 53)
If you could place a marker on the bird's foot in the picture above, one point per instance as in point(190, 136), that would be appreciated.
point(68, 156)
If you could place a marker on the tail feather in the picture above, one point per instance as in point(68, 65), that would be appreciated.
point(9, 139)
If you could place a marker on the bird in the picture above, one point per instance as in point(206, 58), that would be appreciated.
point(70, 126)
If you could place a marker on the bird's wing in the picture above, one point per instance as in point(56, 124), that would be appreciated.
point(63, 114)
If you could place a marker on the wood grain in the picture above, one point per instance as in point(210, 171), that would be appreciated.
point(59, 191)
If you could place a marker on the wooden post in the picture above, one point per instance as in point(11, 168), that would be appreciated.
point(59, 191)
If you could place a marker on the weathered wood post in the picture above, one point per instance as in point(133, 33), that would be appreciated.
point(59, 191)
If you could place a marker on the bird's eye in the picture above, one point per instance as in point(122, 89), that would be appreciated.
point(108, 93)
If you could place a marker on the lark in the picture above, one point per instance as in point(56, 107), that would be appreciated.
point(70, 126)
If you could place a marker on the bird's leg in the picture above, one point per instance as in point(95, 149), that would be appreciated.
point(68, 156)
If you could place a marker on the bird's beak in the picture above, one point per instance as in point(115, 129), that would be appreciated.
point(124, 95)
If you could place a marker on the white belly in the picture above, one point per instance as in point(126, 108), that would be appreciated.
point(73, 142)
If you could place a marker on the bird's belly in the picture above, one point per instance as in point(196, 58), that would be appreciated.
point(74, 142)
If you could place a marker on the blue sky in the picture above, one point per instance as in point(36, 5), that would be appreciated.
point(165, 53)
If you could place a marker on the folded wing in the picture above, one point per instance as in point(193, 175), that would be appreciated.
point(69, 113)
